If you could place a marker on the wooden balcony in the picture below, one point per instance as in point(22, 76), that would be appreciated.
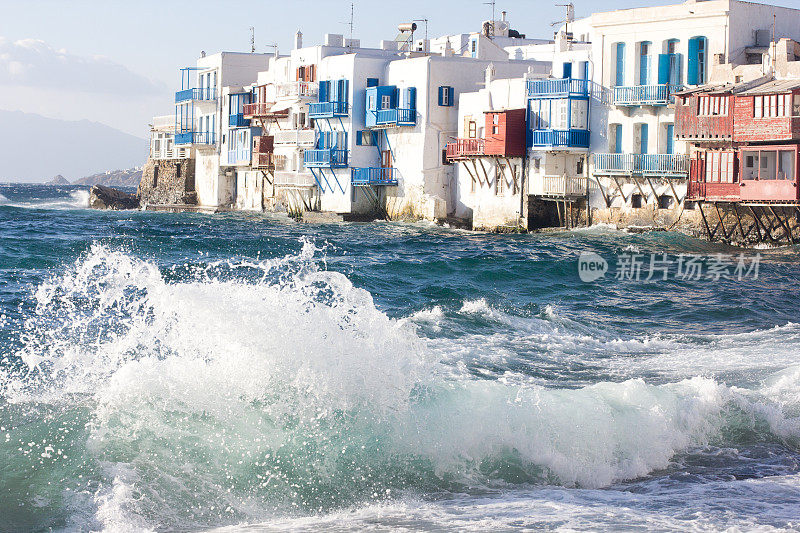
point(263, 110)
point(465, 149)
point(558, 186)
point(691, 126)
point(325, 158)
point(560, 138)
point(373, 176)
point(558, 88)
point(655, 95)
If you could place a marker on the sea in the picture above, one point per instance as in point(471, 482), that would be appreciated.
point(247, 372)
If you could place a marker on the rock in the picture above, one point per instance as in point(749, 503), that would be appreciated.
point(58, 180)
point(102, 197)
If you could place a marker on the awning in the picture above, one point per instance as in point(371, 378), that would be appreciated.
point(283, 106)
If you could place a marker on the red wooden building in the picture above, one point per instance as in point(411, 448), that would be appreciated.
point(504, 136)
point(769, 173)
point(705, 116)
point(768, 113)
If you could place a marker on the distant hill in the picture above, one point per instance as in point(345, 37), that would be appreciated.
point(58, 180)
point(33, 147)
point(113, 178)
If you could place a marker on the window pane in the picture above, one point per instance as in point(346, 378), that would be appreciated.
point(786, 165)
point(750, 161)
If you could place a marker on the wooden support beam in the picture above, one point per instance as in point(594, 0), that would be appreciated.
point(469, 171)
point(785, 227)
point(705, 222)
point(619, 188)
point(721, 223)
point(757, 223)
point(678, 201)
point(638, 186)
point(602, 192)
point(475, 166)
point(771, 227)
point(485, 174)
point(739, 222)
point(652, 188)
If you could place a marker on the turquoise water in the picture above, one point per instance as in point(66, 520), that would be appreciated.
point(164, 372)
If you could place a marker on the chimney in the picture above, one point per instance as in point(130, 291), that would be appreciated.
point(503, 16)
point(298, 40)
point(489, 74)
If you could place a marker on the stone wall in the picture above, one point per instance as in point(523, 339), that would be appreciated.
point(168, 182)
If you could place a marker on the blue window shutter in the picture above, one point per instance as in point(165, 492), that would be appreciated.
point(395, 98)
point(675, 68)
point(644, 68)
point(618, 139)
point(359, 138)
point(372, 82)
point(620, 80)
point(345, 94)
point(451, 96)
point(441, 95)
point(584, 70)
point(670, 139)
point(411, 97)
point(693, 61)
point(566, 70)
point(644, 138)
point(663, 68)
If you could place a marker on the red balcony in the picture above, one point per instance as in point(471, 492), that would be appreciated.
point(704, 118)
point(465, 149)
point(712, 176)
point(263, 110)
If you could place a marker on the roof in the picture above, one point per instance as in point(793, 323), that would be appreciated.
point(718, 88)
point(774, 86)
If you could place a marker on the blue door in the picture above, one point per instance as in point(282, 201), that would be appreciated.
point(620, 78)
point(644, 133)
point(618, 139)
point(670, 139)
point(644, 63)
point(567, 70)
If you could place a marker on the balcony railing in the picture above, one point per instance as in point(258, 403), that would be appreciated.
point(466, 148)
point(558, 186)
point(700, 190)
point(238, 121)
point(198, 93)
point(172, 153)
point(562, 87)
point(295, 137)
point(395, 117)
point(373, 176)
point(327, 109)
point(262, 109)
point(325, 157)
point(662, 94)
point(196, 137)
point(561, 138)
point(297, 88)
point(294, 180)
point(268, 161)
point(239, 157)
point(676, 165)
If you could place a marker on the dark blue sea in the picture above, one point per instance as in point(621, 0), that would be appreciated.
point(246, 372)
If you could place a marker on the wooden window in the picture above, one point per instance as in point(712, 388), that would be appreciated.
point(499, 180)
point(472, 129)
point(758, 109)
point(781, 108)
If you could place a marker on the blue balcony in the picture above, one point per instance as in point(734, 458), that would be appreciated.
point(561, 138)
point(558, 88)
point(327, 109)
point(395, 117)
point(195, 137)
point(238, 121)
point(373, 176)
point(670, 165)
point(656, 95)
point(326, 158)
point(198, 94)
point(239, 156)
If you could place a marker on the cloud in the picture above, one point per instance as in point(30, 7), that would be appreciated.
point(34, 63)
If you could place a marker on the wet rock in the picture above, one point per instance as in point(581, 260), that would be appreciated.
point(102, 197)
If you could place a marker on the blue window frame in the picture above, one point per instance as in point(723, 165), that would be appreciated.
point(697, 61)
point(446, 96)
point(620, 74)
point(670, 139)
point(644, 134)
point(618, 138)
point(644, 62)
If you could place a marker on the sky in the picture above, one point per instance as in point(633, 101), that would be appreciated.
point(116, 61)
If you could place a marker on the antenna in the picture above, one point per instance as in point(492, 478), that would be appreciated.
point(491, 3)
point(252, 40)
point(352, 15)
point(570, 16)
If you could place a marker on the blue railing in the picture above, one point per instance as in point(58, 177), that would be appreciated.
point(662, 94)
point(562, 87)
point(400, 117)
point(199, 93)
point(196, 137)
point(239, 157)
point(662, 164)
point(565, 138)
point(325, 157)
point(238, 121)
point(327, 109)
point(373, 176)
